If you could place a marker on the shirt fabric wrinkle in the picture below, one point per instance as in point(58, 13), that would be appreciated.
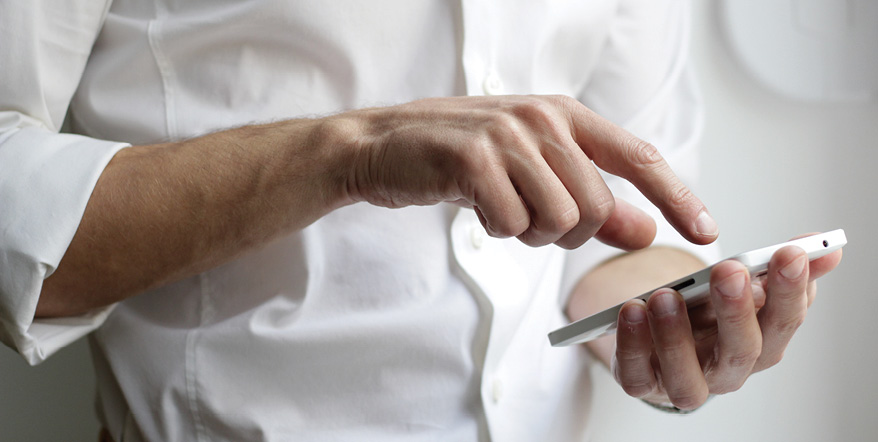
point(370, 324)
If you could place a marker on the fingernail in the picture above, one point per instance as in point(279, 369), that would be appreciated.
point(634, 314)
point(732, 286)
point(705, 225)
point(664, 304)
point(794, 269)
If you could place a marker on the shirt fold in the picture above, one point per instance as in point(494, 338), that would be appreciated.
point(46, 180)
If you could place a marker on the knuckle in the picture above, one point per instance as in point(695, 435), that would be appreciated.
point(530, 239)
point(789, 326)
point(532, 107)
point(674, 350)
point(772, 360)
point(506, 129)
point(562, 99)
point(543, 115)
point(637, 388)
point(739, 318)
point(506, 122)
point(736, 385)
point(563, 222)
point(566, 103)
point(643, 154)
point(507, 228)
point(742, 360)
point(600, 210)
point(500, 230)
point(605, 206)
point(567, 100)
point(476, 157)
point(625, 354)
point(570, 242)
point(728, 387)
point(681, 196)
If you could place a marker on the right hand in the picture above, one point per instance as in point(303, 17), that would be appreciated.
point(524, 163)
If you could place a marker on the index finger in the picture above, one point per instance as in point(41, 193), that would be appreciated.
point(620, 153)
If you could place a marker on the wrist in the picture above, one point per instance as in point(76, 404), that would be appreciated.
point(332, 147)
point(342, 143)
point(353, 140)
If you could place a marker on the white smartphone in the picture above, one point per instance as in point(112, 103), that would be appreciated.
point(695, 288)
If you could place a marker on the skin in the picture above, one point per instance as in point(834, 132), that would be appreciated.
point(665, 354)
point(160, 213)
point(526, 165)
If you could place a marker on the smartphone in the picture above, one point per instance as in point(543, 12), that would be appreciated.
point(695, 288)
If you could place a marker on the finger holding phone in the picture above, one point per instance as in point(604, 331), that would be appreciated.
point(676, 357)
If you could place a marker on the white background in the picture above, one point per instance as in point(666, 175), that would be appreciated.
point(772, 168)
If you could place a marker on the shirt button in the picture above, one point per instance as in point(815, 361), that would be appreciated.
point(497, 390)
point(477, 237)
point(492, 85)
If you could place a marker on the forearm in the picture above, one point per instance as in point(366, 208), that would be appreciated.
point(622, 278)
point(163, 212)
point(160, 213)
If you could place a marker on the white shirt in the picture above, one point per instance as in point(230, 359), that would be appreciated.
point(370, 324)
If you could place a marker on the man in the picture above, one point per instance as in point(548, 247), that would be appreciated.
point(255, 284)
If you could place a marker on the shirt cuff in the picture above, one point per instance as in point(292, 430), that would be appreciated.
point(46, 180)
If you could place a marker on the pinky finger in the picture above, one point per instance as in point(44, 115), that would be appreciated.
point(632, 366)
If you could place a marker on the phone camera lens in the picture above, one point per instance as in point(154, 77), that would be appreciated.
point(825, 243)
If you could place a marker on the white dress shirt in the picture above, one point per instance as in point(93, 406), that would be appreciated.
point(370, 324)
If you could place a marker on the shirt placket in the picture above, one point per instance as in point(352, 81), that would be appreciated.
point(502, 293)
point(481, 34)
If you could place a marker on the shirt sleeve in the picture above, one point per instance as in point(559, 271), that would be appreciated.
point(46, 178)
point(644, 84)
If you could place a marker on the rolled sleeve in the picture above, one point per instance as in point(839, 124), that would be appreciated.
point(46, 178)
point(644, 84)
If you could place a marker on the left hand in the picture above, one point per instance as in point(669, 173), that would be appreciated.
point(666, 356)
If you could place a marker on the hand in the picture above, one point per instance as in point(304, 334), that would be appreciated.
point(524, 163)
point(664, 355)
